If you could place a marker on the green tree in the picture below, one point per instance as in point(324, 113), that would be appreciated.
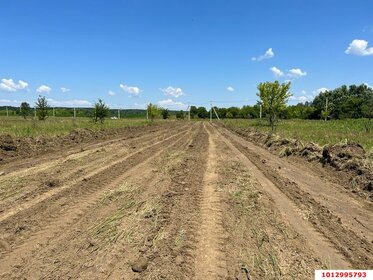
point(234, 112)
point(165, 114)
point(202, 113)
point(25, 109)
point(193, 112)
point(42, 108)
point(343, 102)
point(153, 111)
point(101, 111)
point(222, 112)
point(274, 97)
point(180, 115)
point(367, 110)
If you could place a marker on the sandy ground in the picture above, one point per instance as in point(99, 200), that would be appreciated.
point(183, 201)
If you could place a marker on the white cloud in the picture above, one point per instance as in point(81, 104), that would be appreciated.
point(111, 93)
point(43, 89)
point(69, 103)
point(319, 90)
point(230, 88)
point(64, 90)
point(9, 102)
point(133, 90)
point(359, 47)
point(170, 104)
point(368, 85)
point(173, 91)
point(268, 54)
point(303, 92)
point(10, 85)
point(301, 98)
point(277, 72)
point(139, 105)
point(296, 73)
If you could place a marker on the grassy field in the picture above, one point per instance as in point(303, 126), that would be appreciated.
point(18, 127)
point(317, 131)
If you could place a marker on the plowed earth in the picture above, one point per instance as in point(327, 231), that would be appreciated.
point(183, 201)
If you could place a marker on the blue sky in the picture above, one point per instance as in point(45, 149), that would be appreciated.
point(172, 52)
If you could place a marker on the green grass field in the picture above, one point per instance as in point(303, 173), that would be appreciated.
point(317, 131)
point(18, 127)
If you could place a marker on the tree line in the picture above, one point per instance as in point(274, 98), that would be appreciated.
point(344, 102)
point(354, 101)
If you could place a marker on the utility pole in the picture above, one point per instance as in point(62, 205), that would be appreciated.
point(189, 112)
point(147, 113)
point(210, 111)
point(217, 116)
point(260, 110)
point(74, 113)
point(118, 113)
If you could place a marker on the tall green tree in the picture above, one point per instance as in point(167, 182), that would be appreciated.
point(193, 112)
point(342, 102)
point(165, 114)
point(100, 111)
point(367, 110)
point(42, 107)
point(152, 111)
point(25, 109)
point(202, 113)
point(273, 97)
point(180, 115)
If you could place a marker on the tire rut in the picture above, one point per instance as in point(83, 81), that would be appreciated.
point(72, 220)
point(51, 209)
point(210, 256)
point(357, 250)
point(321, 246)
point(71, 169)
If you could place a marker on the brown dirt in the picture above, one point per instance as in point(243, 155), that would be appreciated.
point(178, 201)
point(15, 147)
point(347, 163)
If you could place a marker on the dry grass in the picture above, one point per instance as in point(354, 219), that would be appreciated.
point(18, 127)
point(268, 246)
point(316, 131)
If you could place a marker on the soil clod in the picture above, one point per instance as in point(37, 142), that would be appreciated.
point(140, 264)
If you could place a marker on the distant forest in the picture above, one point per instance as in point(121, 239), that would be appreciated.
point(80, 112)
point(354, 101)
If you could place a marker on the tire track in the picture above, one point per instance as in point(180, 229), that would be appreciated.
point(356, 249)
point(31, 167)
point(88, 176)
point(210, 258)
point(34, 218)
point(321, 246)
point(174, 255)
point(73, 169)
point(70, 222)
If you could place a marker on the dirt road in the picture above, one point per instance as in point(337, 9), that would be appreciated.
point(184, 201)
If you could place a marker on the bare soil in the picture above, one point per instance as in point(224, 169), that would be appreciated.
point(186, 200)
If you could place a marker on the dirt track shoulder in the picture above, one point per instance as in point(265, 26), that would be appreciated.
point(328, 219)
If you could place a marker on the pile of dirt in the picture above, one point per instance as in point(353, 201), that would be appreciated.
point(350, 157)
point(15, 147)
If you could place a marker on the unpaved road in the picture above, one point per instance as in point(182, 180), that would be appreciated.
point(184, 201)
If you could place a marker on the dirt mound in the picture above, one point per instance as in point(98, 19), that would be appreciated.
point(15, 147)
point(7, 143)
point(349, 157)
